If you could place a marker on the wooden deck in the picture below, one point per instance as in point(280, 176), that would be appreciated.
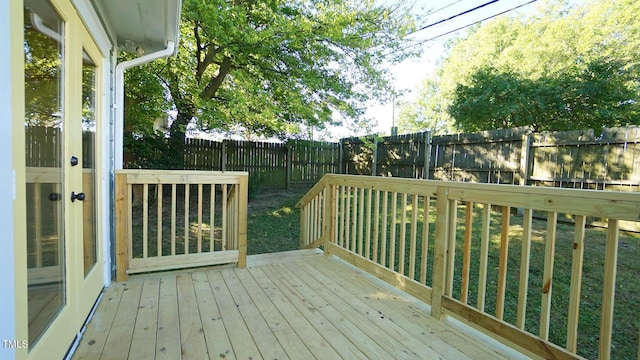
point(296, 305)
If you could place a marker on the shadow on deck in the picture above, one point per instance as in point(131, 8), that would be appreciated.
point(297, 305)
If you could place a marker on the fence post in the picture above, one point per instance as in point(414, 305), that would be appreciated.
point(289, 164)
point(374, 164)
point(341, 169)
point(524, 159)
point(223, 158)
point(427, 154)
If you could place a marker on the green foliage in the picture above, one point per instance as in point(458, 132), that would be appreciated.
point(562, 69)
point(592, 98)
point(425, 113)
point(150, 151)
point(276, 67)
point(43, 76)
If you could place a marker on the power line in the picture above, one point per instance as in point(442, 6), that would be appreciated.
point(466, 26)
point(455, 16)
point(444, 7)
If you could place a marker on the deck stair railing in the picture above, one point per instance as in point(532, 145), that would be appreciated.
point(489, 255)
point(170, 219)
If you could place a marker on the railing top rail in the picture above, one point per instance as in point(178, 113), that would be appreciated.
point(381, 182)
point(182, 176)
point(313, 192)
point(609, 204)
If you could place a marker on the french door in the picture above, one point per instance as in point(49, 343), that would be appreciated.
point(62, 67)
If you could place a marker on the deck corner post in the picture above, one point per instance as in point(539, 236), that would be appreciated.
point(242, 220)
point(440, 253)
point(121, 226)
point(329, 208)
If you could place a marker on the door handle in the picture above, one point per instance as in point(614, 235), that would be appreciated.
point(55, 196)
point(78, 196)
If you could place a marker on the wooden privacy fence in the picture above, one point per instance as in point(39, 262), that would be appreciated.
point(40, 140)
point(183, 219)
point(268, 164)
point(459, 248)
point(574, 159)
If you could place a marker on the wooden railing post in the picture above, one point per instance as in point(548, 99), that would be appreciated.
point(329, 215)
point(121, 216)
point(243, 197)
point(440, 253)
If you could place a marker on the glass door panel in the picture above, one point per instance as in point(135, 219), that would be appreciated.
point(89, 162)
point(44, 120)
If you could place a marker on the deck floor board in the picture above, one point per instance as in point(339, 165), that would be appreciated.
point(279, 307)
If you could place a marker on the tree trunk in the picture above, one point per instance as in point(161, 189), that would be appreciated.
point(178, 132)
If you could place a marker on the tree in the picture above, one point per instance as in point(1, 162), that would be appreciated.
point(425, 113)
point(274, 67)
point(563, 68)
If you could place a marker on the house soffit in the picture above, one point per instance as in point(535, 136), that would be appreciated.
point(141, 26)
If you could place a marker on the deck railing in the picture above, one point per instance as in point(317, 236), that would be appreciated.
point(490, 255)
point(168, 219)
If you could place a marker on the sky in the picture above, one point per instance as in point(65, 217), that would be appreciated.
point(409, 74)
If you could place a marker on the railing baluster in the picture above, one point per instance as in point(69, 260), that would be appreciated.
point(504, 258)
point(145, 220)
point(159, 220)
point(199, 218)
point(212, 222)
point(173, 218)
point(354, 220)
point(187, 194)
point(525, 254)
point(310, 220)
point(383, 231)
point(413, 237)
point(576, 283)
point(484, 254)
point(367, 247)
point(608, 289)
point(347, 220)
point(335, 223)
point(451, 246)
point(466, 252)
point(547, 278)
point(225, 199)
point(425, 239)
point(342, 210)
point(361, 223)
point(376, 224)
point(403, 234)
point(392, 237)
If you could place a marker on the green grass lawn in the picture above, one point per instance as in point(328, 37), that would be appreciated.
point(273, 222)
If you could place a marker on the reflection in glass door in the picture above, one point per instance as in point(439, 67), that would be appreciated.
point(88, 162)
point(44, 130)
